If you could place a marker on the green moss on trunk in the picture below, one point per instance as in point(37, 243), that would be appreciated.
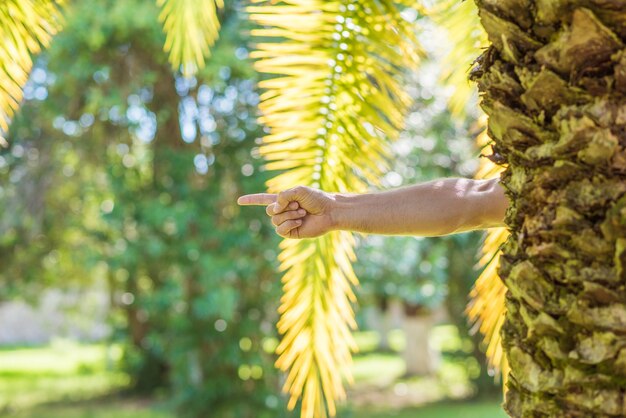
point(554, 86)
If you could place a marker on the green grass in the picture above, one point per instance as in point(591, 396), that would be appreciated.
point(377, 368)
point(443, 337)
point(62, 371)
point(60, 357)
point(69, 380)
point(97, 409)
point(138, 409)
point(441, 410)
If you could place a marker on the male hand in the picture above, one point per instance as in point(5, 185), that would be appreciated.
point(301, 212)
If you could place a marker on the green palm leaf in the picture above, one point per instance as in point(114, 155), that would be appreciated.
point(335, 99)
point(191, 28)
point(25, 27)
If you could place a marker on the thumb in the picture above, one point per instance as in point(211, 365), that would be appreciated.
point(284, 198)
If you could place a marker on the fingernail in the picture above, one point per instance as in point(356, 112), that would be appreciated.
point(301, 211)
point(298, 222)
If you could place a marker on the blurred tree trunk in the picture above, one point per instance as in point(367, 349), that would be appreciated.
point(554, 86)
point(151, 372)
point(420, 359)
point(380, 321)
point(154, 372)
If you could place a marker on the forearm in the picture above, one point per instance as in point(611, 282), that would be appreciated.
point(439, 207)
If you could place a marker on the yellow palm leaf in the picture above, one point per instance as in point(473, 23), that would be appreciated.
point(26, 26)
point(191, 28)
point(486, 308)
point(467, 37)
point(335, 99)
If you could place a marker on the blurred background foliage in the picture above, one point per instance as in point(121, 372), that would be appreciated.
point(120, 178)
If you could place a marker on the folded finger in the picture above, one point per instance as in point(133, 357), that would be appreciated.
point(273, 209)
point(270, 209)
point(286, 227)
point(288, 215)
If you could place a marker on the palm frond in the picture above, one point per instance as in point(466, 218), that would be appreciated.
point(191, 28)
point(26, 26)
point(335, 100)
point(467, 36)
point(486, 308)
point(486, 168)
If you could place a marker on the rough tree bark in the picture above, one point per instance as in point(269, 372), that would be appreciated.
point(554, 86)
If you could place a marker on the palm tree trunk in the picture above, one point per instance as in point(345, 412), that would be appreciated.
point(554, 86)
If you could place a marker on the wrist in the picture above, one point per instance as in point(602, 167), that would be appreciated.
point(340, 211)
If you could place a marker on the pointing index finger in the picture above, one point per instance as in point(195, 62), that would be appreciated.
point(263, 199)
